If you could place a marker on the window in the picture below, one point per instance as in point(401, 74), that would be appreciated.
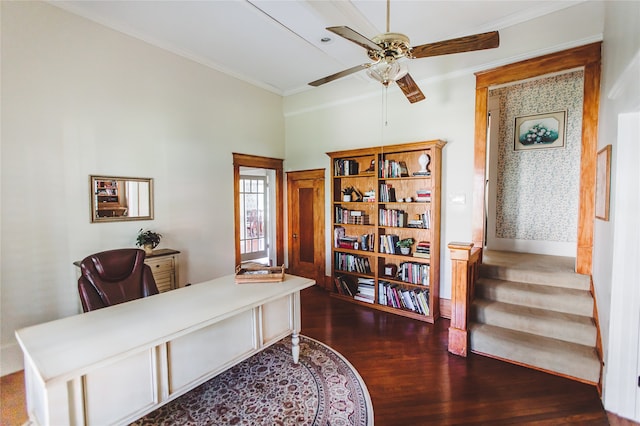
point(254, 215)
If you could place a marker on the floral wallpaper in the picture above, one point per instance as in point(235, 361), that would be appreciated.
point(537, 190)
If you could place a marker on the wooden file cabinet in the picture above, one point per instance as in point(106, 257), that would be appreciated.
point(164, 265)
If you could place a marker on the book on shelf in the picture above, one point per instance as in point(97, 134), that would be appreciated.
point(338, 284)
point(352, 263)
point(348, 242)
point(414, 273)
point(367, 242)
point(401, 298)
point(338, 233)
point(345, 167)
point(421, 255)
point(343, 286)
point(369, 196)
point(393, 169)
point(363, 298)
point(387, 193)
point(392, 217)
point(388, 244)
point(423, 250)
point(351, 217)
point(366, 291)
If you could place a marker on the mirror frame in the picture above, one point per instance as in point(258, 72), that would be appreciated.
point(93, 201)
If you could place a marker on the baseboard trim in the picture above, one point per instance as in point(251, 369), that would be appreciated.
point(445, 308)
point(12, 361)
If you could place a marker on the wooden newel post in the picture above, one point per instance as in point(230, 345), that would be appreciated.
point(463, 275)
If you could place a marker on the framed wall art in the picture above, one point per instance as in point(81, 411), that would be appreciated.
point(540, 131)
point(603, 182)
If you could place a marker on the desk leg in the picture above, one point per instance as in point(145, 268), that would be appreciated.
point(295, 347)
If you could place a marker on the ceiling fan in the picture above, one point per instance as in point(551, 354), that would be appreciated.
point(386, 49)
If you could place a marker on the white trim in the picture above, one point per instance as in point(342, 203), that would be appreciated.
point(621, 392)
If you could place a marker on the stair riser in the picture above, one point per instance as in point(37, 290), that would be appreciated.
point(516, 296)
point(566, 330)
point(564, 280)
point(582, 368)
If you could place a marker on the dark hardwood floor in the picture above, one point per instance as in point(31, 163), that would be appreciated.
point(413, 380)
point(411, 377)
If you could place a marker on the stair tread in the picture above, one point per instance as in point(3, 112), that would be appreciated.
point(537, 288)
point(535, 313)
point(572, 301)
point(538, 262)
point(533, 269)
point(567, 358)
point(543, 322)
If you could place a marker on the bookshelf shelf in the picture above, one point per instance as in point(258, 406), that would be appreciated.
point(394, 204)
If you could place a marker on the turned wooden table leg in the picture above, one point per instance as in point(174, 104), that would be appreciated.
point(295, 347)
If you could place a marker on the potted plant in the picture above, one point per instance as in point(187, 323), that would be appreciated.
point(148, 240)
point(347, 193)
point(405, 245)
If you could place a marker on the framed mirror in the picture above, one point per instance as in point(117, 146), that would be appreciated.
point(115, 198)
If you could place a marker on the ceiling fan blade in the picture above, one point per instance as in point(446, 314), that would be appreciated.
point(482, 41)
point(410, 89)
point(338, 75)
point(354, 36)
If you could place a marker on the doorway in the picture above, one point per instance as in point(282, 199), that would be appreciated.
point(305, 212)
point(253, 166)
point(586, 58)
point(533, 187)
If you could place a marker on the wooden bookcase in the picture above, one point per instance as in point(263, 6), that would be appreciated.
point(367, 267)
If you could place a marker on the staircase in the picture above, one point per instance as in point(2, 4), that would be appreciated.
point(534, 310)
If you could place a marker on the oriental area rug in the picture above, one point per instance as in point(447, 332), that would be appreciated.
point(268, 389)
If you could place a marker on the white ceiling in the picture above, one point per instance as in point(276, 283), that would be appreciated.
point(276, 44)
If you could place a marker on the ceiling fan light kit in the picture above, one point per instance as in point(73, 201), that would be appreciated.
point(385, 50)
point(387, 71)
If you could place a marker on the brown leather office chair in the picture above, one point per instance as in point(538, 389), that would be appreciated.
point(114, 276)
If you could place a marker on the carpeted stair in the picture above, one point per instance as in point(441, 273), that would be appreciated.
point(534, 310)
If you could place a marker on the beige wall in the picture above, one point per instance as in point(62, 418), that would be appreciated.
point(347, 114)
point(616, 268)
point(80, 99)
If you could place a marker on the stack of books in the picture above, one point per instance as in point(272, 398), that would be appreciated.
point(423, 249)
point(423, 195)
point(369, 196)
point(366, 291)
point(347, 242)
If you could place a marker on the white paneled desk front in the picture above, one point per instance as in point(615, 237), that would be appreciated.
point(114, 365)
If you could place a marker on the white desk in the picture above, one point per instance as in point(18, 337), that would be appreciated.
point(114, 365)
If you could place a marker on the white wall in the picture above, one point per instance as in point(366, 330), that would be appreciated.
point(615, 269)
point(80, 99)
point(347, 114)
point(448, 114)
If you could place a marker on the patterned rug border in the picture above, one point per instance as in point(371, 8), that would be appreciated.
point(338, 392)
point(354, 371)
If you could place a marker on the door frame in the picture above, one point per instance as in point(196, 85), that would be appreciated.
point(319, 251)
point(588, 58)
point(245, 160)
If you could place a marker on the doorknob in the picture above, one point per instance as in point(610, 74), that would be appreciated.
point(295, 236)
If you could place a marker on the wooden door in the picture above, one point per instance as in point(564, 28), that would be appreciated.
point(305, 210)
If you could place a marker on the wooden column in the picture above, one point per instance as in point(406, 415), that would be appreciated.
point(464, 272)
